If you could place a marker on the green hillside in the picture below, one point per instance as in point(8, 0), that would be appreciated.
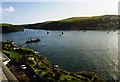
point(5, 24)
point(106, 22)
point(5, 28)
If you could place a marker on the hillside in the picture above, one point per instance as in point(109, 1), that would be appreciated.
point(106, 22)
point(5, 28)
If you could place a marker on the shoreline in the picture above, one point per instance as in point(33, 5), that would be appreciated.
point(67, 30)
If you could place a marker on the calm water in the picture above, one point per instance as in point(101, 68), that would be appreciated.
point(95, 51)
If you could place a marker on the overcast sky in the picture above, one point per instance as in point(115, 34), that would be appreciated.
point(21, 12)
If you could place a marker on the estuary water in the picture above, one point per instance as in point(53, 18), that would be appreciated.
point(95, 51)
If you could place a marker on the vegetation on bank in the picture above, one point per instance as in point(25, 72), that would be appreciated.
point(5, 28)
point(43, 68)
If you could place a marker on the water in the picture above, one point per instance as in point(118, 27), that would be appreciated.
point(95, 51)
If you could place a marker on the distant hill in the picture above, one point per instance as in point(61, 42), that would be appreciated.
point(105, 22)
point(5, 28)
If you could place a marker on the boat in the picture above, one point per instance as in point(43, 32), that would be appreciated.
point(47, 32)
point(30, 40)
point(84, 30)
point(62, 32)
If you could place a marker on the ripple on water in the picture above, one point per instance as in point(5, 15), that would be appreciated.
point(75, 50)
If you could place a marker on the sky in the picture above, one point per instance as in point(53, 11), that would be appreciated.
point(21, 12)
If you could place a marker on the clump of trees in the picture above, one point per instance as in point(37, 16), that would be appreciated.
point(5, 28)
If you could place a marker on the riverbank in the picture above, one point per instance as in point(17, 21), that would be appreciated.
point(42, 68)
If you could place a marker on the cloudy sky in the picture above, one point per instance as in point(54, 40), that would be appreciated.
point(34, 12)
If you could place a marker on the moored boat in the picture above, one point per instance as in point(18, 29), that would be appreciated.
point(31, 40)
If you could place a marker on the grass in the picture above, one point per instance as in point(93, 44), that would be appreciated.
point(5, 24)
point(15, 54)
point(18, 54)
point(75, 19)
point(68, 77)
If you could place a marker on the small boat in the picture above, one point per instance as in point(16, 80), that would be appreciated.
point(62, 32)
point(47, 32)
point(84, 30)
point(31, 41)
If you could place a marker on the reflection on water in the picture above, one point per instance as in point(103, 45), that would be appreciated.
point(95, 51)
